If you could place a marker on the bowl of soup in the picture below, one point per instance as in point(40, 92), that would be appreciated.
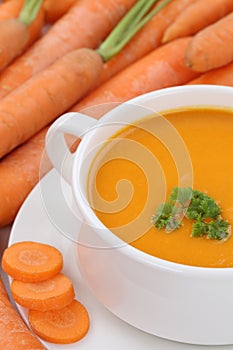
point(152, 185)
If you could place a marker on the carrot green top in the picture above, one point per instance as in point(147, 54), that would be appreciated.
point(130, 24)
point(29, 11)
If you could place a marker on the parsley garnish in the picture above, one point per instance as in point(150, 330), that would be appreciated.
point(166, 216)
point(196, 206)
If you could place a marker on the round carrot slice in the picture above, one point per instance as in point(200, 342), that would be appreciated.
point(63, 326)
point(52, 294)
point(31, 261)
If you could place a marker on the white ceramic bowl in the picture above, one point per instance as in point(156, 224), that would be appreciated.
point(173, 301)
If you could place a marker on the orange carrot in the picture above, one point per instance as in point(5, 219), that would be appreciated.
point(163, 67)
point(14, 34)
point(218, 76)
point(10, 9)
point(31, 261)
point(197, 16)
point(211, 47)
point(52, 294)
point(86, 24)
point(56, 9)
point(10, 48)
point(45, 96)
point(14, 334)
point(146, 40)
point(19, 173)
point(63, 326)
point(10, 208)
point(52, 91)
point(35, 29)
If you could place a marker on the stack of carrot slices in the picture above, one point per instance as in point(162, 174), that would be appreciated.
point(38, 284)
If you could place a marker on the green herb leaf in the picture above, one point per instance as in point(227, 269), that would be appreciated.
point(209, 208)
point(200, 228)
point(218, 229)
point(172, 224)
point(165, 217)
point(202, 205)
point(163, 213)
point(196, 206)
point(181, 195)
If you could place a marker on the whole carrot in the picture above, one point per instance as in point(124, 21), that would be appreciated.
point(161, 68)
point(218, 76)
point(14, 33)
point(14, 334)
point(56, 9)
point(211, 47)
point(10, 9)
point(146, 40)
point(45, 96)
point(197, 16)
point(86, 24)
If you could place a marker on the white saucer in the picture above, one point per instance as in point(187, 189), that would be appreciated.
point(106, 331)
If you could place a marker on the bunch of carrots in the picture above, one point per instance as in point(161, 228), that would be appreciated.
point(79, 55)
point(68, 57)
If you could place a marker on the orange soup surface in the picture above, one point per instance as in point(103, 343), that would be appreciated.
point(138, 167)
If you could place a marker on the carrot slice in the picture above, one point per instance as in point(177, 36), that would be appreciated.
point(64, 326)
point(52, 294)
point(31, 261)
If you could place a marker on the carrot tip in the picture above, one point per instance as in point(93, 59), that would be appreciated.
point(188, 63)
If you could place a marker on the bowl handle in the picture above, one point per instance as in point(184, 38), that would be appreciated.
point(73, 123)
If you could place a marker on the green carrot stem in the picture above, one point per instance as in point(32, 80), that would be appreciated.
point(122, 26)
point(131, 23)
point(128, 21)
point(29, 11)
point(145, 9)
point(141, 24)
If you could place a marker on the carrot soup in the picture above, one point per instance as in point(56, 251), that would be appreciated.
point(135, 172)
